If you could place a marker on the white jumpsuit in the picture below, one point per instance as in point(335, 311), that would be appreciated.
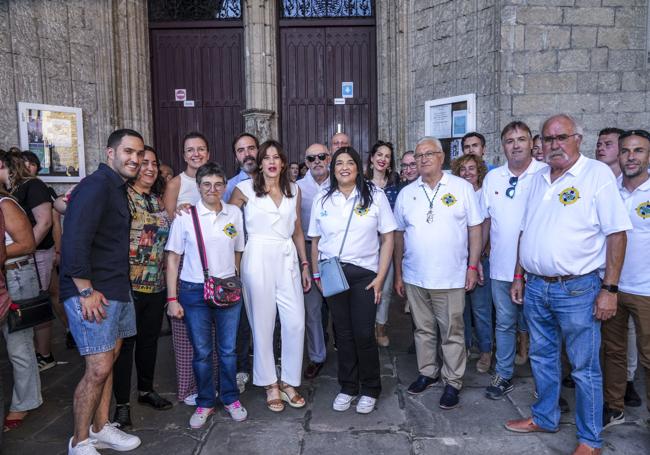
point(271, 279)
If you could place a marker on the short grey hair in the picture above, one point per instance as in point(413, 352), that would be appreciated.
point(435, 141)
point(577, 128)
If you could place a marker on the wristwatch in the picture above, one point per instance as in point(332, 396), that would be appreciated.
point(609, 288)
point(86, 292)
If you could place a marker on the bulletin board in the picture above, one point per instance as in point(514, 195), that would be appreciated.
point(449, 119)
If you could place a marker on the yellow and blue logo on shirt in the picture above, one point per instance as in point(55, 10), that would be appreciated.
point(448, 199)
point(230, 230)
point(569, 196)
point(643, 210)
point(360, 211)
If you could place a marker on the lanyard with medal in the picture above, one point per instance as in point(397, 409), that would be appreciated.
point(431, 200)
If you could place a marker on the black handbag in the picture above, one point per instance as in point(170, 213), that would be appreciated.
point(30, 312)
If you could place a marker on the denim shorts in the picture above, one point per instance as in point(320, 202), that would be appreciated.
point(97, 337)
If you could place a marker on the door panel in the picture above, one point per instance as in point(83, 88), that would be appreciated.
point(209, 64)
point(314, 62)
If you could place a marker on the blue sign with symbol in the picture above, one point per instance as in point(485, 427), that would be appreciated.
point(347, 89)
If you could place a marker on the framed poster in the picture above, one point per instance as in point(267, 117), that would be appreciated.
point(55, 135)
point(449, 119)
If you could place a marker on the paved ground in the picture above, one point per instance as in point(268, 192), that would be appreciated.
point(402, 424)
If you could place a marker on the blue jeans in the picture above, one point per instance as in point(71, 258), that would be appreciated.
point(508, 317)
point(199, 318)
point(557, 312)
point(478, 303)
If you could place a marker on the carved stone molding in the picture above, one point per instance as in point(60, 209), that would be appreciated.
point(260, 122)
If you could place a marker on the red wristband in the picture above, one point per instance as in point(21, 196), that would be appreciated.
point(172, 299)
point(519, 276)
point(472, 267)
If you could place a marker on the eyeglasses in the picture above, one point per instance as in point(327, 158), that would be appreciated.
point(510, 192)
point(427, 155)
point(561, 138)
point(207, 186)
point(408, 165)
point(320, 156)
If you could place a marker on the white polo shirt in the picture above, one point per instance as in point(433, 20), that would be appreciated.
point(435, 254)
point(330, 216)
point(223, 234)
point(566, 222)
point(505, 216)
point(309, 189)
point(635, 275)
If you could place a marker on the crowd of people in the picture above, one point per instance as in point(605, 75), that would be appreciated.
point(536, 260)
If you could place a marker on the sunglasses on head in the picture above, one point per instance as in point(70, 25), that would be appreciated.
point(510, 192)
point(641, 133)
point(320, 156)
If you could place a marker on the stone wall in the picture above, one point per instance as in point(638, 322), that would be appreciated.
point(81, 53)
point(584, 57)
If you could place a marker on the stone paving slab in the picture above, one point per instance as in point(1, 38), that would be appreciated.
point(356, 442)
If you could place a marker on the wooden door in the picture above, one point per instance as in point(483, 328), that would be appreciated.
point(209, 64)
point(314, 61)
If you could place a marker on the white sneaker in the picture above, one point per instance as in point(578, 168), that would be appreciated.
point(82, 448)
point(236, 411)
point(366, 405)
point(111, 437)
point(190, 400)
point(242, 380)
point(342, 402)
point(200, 416)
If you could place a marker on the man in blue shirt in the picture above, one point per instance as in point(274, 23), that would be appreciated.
point(96, 290)
point(245, 148)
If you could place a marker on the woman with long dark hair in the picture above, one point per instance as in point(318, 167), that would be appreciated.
point(380, 170)
point(149, 232)
point(365, 257)
point(275, 273)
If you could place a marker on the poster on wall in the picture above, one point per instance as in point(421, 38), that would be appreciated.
point(55, 135)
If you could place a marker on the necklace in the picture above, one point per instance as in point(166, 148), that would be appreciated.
point(431, 200)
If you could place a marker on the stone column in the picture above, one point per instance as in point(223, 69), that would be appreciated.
point(132, 67)
point(393, 81)
point(260, 32)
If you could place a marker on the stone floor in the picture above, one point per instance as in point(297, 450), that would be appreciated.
point(402, 424)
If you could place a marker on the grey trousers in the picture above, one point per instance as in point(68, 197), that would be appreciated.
point(27, 380)
point(314, 321)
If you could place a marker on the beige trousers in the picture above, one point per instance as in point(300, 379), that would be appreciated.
point(442, 308)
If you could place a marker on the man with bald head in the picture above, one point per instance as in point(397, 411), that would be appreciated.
point(571, 249)
point(339, 140)
point(317, 159)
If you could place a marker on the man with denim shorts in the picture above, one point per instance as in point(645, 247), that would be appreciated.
point(96, 290)
point(572, 233)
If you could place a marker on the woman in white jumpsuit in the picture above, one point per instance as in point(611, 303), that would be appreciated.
point(275, 273)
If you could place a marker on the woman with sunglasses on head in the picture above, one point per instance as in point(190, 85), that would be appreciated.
point(380, 171)
point(478, 303)
point(354, 202)
point(221, 231)
point(149, 231)
point(275, 273)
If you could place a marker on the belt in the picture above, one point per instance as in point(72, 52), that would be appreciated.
point(17, 264)
point(559, 279)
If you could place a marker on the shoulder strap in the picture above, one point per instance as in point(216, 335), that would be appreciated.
point(354, 205)
point(199, 241)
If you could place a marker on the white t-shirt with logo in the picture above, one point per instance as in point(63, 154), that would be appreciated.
point(635, 275)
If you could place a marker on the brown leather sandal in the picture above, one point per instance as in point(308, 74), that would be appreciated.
point(291, 396)
point(274, 404)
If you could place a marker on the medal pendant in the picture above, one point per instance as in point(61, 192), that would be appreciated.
point(430, 216)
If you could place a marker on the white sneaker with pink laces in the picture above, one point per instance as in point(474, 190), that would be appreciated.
point(200, 416)
point(236, 411)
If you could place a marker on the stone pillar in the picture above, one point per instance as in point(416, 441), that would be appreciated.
point(260, 32)
point(132, 67)
point(393, 81)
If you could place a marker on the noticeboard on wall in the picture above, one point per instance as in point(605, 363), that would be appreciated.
point(55, 135)
point(449, 119)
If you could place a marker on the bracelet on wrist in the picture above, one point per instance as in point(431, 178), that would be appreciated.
point(172, 299)
point(315, 275)
point(518, 276)
point(472, 267)
point(304, 264)
point(316, 278)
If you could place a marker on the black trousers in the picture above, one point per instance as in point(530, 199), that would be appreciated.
point(243, 342)
point(149, 310)
point(353, 314)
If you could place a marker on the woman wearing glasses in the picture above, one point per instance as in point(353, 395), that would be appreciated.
point(380, 171)
point(478, 303)
point(222, 230)
point(275, 273)
point(408, 168)
point(367, 251)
